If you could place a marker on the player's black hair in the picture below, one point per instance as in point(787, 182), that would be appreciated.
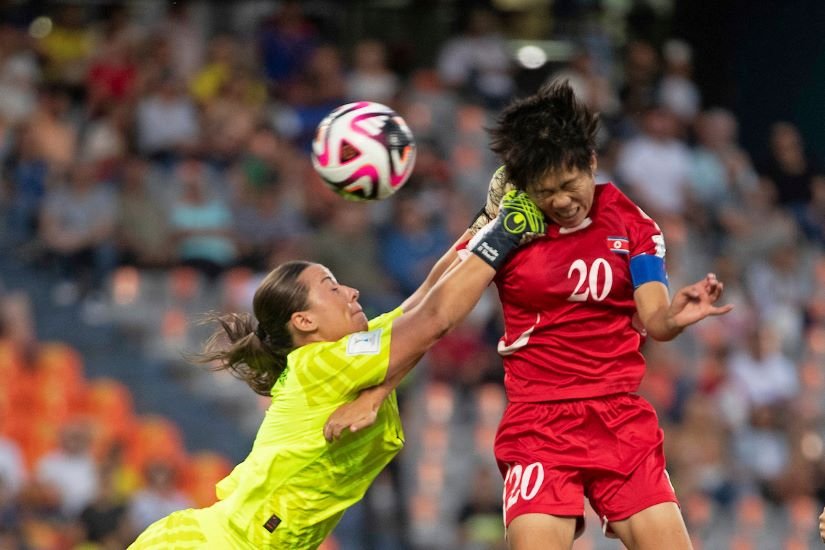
point(543, 133)
point(254, 347)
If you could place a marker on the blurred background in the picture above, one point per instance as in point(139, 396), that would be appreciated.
point(154, 165)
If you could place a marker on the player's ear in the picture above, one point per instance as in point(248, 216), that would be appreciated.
point(594, 163)
point(303, 321)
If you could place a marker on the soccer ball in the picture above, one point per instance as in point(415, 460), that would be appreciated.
point(363, 151)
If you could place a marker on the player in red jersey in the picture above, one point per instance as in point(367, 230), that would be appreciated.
point(578, 304)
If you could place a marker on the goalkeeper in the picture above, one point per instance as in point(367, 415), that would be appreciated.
point(312, 349)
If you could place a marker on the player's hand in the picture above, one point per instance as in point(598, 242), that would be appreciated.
point(695, 302)
point(499, 185)
point(519, 221)
point(822, 525)
point(355, 415)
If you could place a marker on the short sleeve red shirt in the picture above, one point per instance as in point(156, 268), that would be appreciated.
point(568, 305)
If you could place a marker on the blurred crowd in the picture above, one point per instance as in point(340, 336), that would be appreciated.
point(144, 146)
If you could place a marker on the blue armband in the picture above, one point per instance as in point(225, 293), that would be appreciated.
point(645, 268)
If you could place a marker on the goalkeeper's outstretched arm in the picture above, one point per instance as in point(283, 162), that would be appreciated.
point(457, 289)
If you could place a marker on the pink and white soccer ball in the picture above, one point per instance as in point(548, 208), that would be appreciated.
point(363, 151)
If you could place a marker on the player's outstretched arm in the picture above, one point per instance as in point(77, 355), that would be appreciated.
point(664, 319)
point(445, 305)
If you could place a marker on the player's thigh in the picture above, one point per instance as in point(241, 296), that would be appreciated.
point(656, 527)
point(541, 532)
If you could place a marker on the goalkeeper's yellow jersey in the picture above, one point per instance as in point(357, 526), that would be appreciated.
point(293, 488)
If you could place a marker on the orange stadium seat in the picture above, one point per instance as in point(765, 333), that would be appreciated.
point(154, 438)
point(37, 437)
point(12, 361)
point(107, 405)
point(59, 362)
point(51, 400)
point(110, 401)
point(202, 471)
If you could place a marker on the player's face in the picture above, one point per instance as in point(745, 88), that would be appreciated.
point(333, 307)
point(565, 196)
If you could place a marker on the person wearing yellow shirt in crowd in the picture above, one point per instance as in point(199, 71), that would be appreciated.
point(310, 346)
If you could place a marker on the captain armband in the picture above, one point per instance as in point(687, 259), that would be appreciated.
point(645, 268)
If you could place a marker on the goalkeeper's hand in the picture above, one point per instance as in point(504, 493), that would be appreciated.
point(499, 185)
point(519, 220)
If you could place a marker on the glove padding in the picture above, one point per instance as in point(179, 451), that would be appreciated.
point(499, 185)
point(519, 221)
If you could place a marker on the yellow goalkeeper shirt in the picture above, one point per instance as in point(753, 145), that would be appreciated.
point(293, 488)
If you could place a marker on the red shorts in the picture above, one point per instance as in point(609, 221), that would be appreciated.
point(608, 449)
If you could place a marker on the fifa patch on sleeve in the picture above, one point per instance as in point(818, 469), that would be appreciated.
point(364, 343)
point(645, 268)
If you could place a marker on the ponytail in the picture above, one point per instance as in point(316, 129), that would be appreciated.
point(256, 351)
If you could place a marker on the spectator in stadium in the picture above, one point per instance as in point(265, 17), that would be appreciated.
point(476, 63)
point(166, 121)
point(77, 228)
point(654, 166)
point(47, 144)
point(578, 305)
point(411, 241)
point(310, 346)
point(371, 78)
point(676, 88)
point(142, 229)
point(71, 469)
point(159, 496)
point(792, 168)
point(201, 222)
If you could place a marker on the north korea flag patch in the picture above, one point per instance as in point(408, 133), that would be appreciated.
point(619, 245)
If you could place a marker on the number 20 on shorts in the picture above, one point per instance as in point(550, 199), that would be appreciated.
point(522, 483)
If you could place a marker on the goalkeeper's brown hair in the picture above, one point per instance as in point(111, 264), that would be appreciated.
point(254, 347)
point(544, 133)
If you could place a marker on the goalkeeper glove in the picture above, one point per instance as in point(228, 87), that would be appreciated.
point(498, 186)
point(519, 220)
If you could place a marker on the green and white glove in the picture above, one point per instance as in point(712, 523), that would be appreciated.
point(499, 185)
point(519, 220)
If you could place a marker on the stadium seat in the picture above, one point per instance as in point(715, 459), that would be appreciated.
point(184, 284)
point(235, 289)
point(37, 437)
point(439, 402)
point(106, 398)
point(125, 283)
point(57, 361)
point(107, 404)
point(12, 361)
point(435, 441)
point(202, 471)
point(154, 438)
point(490, 402)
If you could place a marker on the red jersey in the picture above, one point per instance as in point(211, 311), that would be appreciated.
point(568, 305)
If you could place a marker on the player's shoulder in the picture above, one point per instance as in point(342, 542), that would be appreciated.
point(608, 192)
point(611, 198)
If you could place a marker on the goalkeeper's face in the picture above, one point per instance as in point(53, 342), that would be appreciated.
point(333, 310)
point(565, 196)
